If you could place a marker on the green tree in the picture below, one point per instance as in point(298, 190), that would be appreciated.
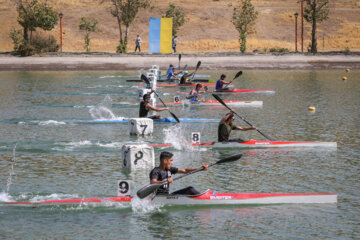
point(125, 12)
point(178, 17)
point(315, 11)
point(34, 14)
point(244, 17)
point(88, 26)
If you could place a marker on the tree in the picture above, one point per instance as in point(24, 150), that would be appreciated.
point(178, 17)
point(125, 12)
point(34, 14)
point(315, 11)
point(244, 17)
point(88, 26)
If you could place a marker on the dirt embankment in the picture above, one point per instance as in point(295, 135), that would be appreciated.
point(105, 61)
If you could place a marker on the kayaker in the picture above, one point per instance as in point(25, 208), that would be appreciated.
point(164, 173)
point(220, 83)
point(185, 78)
point(170, 74)
point(193, 95)
point(145, 107)
point(226, 126)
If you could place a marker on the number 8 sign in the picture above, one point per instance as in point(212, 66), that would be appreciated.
point(195, 137)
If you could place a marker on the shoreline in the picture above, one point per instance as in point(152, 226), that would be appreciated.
point(210, 61)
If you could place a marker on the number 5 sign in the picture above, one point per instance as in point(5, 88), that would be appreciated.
point(195, 137)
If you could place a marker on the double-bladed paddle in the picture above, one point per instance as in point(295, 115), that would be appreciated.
point(146, 80)
point(236, 76)
point(222, 102)
point(197, 67)
point(151, 188)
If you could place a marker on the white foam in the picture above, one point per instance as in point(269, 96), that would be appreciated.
point(53, 196)
point(176, 135)
point(5, 197)
point(50, 122)
point(143, 205)
point(110, 145)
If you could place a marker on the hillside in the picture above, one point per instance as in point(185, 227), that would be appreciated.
point(208, 26)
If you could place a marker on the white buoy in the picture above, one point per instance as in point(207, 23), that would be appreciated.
point(137, 156)
point(141, 126)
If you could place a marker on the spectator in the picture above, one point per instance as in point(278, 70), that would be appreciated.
point(138, 43)
point(174, 42)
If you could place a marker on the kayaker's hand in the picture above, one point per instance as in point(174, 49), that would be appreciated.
point(152, 90)
point(167, 108)
point(170, 180)
point(205, 166)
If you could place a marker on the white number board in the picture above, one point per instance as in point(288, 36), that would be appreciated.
point(195, 137)
point(123, 188)
point(176, 99)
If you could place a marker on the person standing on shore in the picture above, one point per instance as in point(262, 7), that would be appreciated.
point(174, 43)
point(138, 43)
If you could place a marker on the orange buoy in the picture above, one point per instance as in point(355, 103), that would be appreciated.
point(312, 108)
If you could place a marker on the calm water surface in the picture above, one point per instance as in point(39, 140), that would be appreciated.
point(48, 151)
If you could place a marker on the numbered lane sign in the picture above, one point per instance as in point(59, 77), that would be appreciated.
point(195, 137)
point(176, 99)
point(123, 188)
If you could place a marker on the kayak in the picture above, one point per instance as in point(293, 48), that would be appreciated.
point(237, 91)
point(183, 85)
point(259, 144)
point(206, 198)
point(171, 80)
point(164, 120)
point(216, 103)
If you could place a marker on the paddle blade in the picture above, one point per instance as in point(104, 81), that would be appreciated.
point(185, 66)
point(145, 79)
point(147, 190)
point(230, 159)
point(238, 74)
point(179, 57)
point(175, 117)
point(198, 65)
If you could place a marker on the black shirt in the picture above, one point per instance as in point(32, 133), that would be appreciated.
point(224, 131)
point(143, 112)
point(160, 175)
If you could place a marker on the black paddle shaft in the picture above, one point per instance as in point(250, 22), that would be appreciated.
point(222, 102)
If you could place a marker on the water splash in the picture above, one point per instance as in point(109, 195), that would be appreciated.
point(103, 110)
point(176, 135)
point(143, 205)
point(4, 196)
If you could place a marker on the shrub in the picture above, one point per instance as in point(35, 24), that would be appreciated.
point(43, 44)
point(279, 50)
point(16, 37)
point(25, 49)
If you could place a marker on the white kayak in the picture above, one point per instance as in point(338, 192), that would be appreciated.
point(259, 144)
point(216, 103)
point(206, 198)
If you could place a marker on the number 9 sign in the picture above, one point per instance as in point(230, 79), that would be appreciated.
point(176, 99)
point(195, 137)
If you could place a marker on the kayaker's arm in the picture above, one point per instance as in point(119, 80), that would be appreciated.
point(187, 170)
point(245, 128)
point(170, 180)
point(225, 118)
point(155, 108)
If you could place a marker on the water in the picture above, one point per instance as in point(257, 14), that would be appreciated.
point(47, 151)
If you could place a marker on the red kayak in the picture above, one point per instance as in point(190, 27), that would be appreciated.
point(184, 85)
point(205, 198)
point(216, 103)
point(259, 144)
point(238, 91)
